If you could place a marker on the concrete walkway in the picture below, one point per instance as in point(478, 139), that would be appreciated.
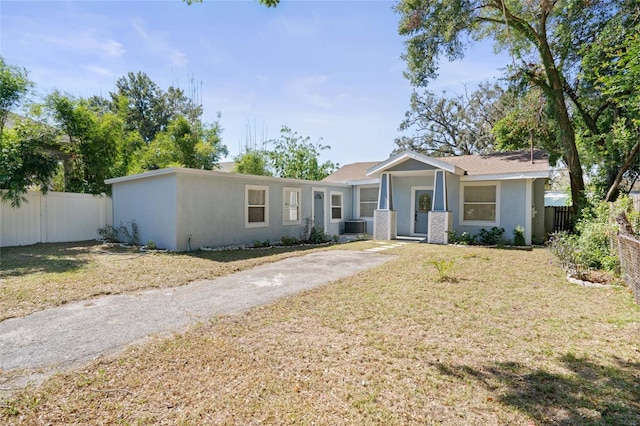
point(33, 347)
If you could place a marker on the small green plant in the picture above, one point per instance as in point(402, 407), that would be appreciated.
point(128, 233)
point(317, 236)
point(151, 245)
point(256, 244)
point(335, 238)
point(492, 237)
point(289, 241)
point(518, 236)
point(443, 267)
point(463, 239)
point(108, 234)
point(266, 243)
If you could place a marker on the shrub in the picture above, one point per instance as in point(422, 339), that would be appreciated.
point(566, 248)
point(151, 245)
point(128, 233)
point(108, 234)
point(518, 236)
point(317, 236)
point(289, 241)
point(463, 239)
point(491, 237)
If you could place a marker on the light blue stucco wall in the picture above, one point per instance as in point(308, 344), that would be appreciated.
point(512, 208)
point(210, 207)
point(402, 199)
point(151, 203)
point(538, 233)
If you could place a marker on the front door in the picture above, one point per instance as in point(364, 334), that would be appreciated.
point(422, 206)
point(318, 209)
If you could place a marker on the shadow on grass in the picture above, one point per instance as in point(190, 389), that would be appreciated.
point(246, 254)
point(45, 258)
point(590, 394)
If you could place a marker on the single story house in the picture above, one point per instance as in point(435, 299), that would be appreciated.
point(409, 194)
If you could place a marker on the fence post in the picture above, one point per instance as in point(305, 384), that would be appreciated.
point(44, 234)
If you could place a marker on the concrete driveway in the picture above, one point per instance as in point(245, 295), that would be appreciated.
point(33, 347)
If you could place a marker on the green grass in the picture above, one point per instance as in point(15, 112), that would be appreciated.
point(510, 342)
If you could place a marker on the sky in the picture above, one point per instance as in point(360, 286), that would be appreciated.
point(326, 69)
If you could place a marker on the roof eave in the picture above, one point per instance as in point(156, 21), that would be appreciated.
point(403, 156)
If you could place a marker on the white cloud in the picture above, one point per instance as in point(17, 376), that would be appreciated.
point(310, 90)
point(159, 43)
point(83, 40)
point(99, 70)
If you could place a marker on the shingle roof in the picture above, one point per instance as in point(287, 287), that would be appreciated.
point(349, 172)
point(473, 165)
point(501, 162)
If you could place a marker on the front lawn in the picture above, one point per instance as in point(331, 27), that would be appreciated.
point(504, 340)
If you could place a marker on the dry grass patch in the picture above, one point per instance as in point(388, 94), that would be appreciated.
point(41, 276)
point(509, 342)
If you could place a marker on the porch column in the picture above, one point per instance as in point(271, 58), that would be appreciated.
point(385, 219)
point(440, 220)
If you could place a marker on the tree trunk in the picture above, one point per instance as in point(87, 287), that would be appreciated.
point(612, 193)
point(567, 134)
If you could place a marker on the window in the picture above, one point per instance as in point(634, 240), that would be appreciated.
point(424, 203)
point(480, 203)
point(256, 206)
point(336, 206)
point(368, 201)
point(291, 206)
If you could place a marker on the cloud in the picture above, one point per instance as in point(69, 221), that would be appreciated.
point(309, 89)
point(99, 70)
point(159, 43)
point(85, 41)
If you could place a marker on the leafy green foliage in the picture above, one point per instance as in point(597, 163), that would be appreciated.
point(464, 238)
point(253, 162)
point(518, 236)
point(296, 157)
point(24, 162)
point(443, 267)
point(491, 237)
point(14, 86)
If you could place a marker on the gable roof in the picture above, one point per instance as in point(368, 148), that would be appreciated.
point(421, 159)
point(351, 172)
point(499, 164)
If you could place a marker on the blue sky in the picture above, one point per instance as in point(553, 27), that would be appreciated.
point(329, 69)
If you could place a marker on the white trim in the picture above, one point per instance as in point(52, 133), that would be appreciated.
point(324, 206)
point(528, 213)
point(181, 170)
point(248, 224)
point(461, 220)
point(406, 155)
point(359, 216)
point(505, 176)
point(375, 181)
point(412, 223)
point(285, 207)
point(331, 206)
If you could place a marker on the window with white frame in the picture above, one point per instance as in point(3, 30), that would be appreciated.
point(256, 206)
point(480, 203)
point(291, 206)
point(367, 201)
point(336, 206)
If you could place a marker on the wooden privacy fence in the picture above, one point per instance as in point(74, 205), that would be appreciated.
point(53, 218)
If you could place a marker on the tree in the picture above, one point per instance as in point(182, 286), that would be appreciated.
point(146, 108)
point(544, 38)
point(14, 86)
point(24, 162)
point(253, 162)
point(184, 145)
point(460, 125)
point(611, 70)
point(296, 157)
point(94, 143)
